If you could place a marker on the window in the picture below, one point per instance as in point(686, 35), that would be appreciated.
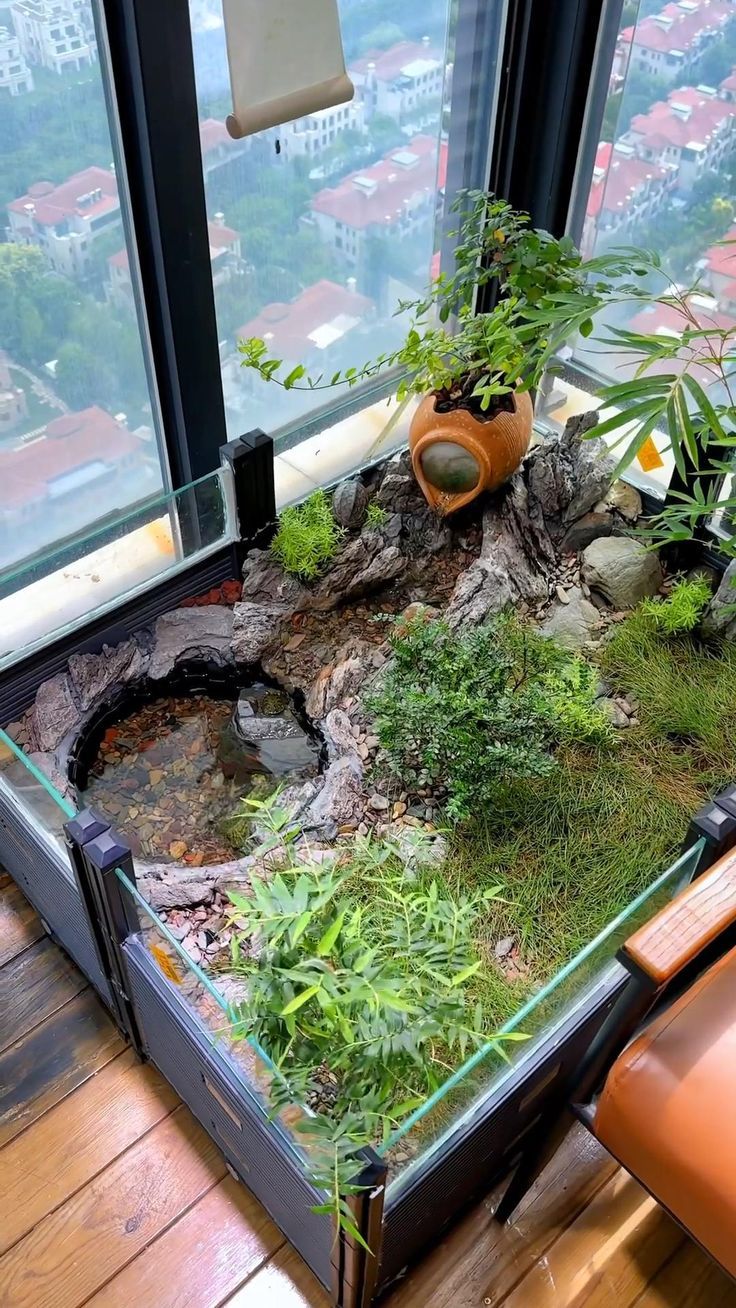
point(317, 297)
point(82, 438)
point(664, 179)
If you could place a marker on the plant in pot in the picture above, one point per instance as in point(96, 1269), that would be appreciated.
point(476, 369)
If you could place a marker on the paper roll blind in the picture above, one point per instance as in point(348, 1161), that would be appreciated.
point(286, 60)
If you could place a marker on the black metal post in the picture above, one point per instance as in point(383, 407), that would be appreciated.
point(355, 1268)
point(251, 459)
point(96, 852)
point(715, 823)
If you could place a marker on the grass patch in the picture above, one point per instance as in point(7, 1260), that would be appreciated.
point(307, 538)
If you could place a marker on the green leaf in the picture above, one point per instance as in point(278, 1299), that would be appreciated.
point(299, 927)
point(299, 1000)
point(460, 978)
point(330, 936)
point(704, 405)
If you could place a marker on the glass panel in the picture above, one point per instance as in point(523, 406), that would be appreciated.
point(455, 1103)
point(320, 227)
point(79, 423)
point(210, 999)
point(62, 588)
point(38, 796)
point(663, 179)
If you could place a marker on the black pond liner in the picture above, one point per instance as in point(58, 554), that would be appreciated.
point(480, 1151)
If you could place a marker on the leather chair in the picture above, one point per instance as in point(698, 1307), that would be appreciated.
point(658, 1087)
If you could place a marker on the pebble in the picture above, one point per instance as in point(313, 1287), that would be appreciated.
point(378, 803)
point(178, 848)
point(562, 595)
point(372, 742)
point(398, 809)
point(504, 947)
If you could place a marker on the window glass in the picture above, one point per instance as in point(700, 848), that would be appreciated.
point(78, 423)
point(320, 227)
point(664, 180)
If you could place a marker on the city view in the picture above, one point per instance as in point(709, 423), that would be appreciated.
point(317, 228)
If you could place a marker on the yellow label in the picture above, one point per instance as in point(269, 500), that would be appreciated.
point(166, 965)
point(649, 456)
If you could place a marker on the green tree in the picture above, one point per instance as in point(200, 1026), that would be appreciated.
point(380, 38)
point(36, 304)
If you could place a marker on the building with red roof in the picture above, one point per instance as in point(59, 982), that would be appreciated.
point(718, 267)
point(692, 130)
point(81, 467)
point(217, 145)
point(727, 89)
point(396, 81)
point(225, 256)
point(64, 220)
point(624, 191)
point(317, 320)
point(668, 43)
point(396, 196)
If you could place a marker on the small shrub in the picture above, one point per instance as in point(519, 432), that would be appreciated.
point(681, 610)
point(375, 516)
point(307, 538)
point(470, 709)
point(362, 970)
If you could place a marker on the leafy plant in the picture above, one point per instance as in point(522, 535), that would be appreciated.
point(682, 609)
point(375, 516)
point(361, 971)
point(308, 537)
point(481, 357)
point(469, 709)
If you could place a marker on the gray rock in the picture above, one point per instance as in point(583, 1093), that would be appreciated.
point(481, 591)
point(592, 468)
point(205, 632)
point(573, 624)
point(265, 582)
point(55, 712)
point(350, 502)
point(366, 563)
point(340, 681)
point(48, 764)
point(338, 733)
point(399, 491)
point(624, 500)
point(621, 570)
point(167, 885)
point(586, 529)
point(92, 675)
point(418, 848)
point(256, 627)
point(503, 947)
point(339, 801)
point(720, 615)
point(615, 714)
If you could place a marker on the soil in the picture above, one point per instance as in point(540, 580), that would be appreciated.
point(460, 396)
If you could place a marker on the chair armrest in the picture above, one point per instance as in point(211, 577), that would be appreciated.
point(683, 928)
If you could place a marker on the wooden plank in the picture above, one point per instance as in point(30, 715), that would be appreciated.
point(32, 986)
point(202, 1258)
point(77, 1139)
point(479, 1252)
point(689, 1280)
point(20, 925)
point(285, 1282)
point(52, 1060)
point(606, 1257)
point(74, 1251)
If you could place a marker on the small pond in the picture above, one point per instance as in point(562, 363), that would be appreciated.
point(172, 772)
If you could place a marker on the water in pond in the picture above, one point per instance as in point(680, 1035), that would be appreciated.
point(171, 774)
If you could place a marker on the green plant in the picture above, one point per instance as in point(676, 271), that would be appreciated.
point(469, 709)
point(375, 516)
point(682, 609)
point(363, 971)
point(307, 537)
point(482, 357)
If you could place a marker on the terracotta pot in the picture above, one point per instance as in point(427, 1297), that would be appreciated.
point(485, 455)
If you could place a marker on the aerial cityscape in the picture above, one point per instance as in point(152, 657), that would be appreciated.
point(317, 229)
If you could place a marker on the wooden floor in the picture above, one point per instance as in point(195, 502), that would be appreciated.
point(111, 1195)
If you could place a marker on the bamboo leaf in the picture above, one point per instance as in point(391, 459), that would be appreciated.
point(330, 936)
point(299, 1000)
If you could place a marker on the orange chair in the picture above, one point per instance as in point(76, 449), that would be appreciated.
point(664, 1102)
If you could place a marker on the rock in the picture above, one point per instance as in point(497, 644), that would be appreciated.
point(624, 500)
point(592, 465)
point(481, 591)
point(720, 616)
point(366, 563)
point(256, 627)
point(562, 595)
point(378, 803)
point(572, 624)
point(349, 503)
point(341, 681)
point(55, 712)
point(586, 529)
point(339, 801)
point(47, 764)
point(265, 582)
point(338, 733)
point(165, 885)
point(504, 947)
point(614, 713)
point(202, 633)
point(416, 847)
point(399, 491)
point(621, 570)
point(178, 848)
point(92, 675)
